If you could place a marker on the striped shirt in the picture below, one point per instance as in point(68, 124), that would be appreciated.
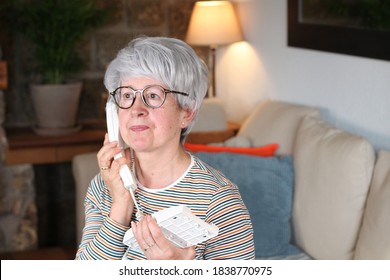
point(204, 190)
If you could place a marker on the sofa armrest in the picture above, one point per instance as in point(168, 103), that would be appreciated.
point(374, 238)
point(84, 168)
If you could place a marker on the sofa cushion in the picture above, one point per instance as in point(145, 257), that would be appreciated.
point(275, 122)
point(238, 141)
point(374, 239)
point(333, 171)
point(266, 186)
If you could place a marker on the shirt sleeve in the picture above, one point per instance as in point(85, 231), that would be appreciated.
point(235, 238)
point(102, 236)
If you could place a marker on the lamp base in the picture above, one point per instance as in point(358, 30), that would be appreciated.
point(213, 49)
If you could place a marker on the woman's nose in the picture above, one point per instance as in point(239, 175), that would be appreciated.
point(139, 108)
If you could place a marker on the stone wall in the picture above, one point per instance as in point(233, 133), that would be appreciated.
point(18, 212)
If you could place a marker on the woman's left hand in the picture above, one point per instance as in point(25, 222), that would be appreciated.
point(155, 245)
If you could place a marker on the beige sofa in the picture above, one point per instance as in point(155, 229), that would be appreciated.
point(341, 199)
point(341, 202)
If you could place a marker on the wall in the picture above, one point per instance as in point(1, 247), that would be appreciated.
point(354, 92)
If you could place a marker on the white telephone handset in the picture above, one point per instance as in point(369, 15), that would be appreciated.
point(114, 135)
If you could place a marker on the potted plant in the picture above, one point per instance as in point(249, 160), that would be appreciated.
point(55, 27)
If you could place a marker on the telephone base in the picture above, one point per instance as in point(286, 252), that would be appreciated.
point(178, 225)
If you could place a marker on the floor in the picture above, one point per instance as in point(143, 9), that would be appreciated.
point(50, 253)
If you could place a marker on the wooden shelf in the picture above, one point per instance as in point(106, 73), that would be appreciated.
point(24, 146)
point(208, 137)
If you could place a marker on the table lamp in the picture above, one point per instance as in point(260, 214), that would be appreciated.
point(213, 23)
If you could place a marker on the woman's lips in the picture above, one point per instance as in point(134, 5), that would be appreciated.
point(138, 128)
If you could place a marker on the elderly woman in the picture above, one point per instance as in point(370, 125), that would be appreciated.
point(158, 85)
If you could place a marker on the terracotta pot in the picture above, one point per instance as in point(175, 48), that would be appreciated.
point(56, 107)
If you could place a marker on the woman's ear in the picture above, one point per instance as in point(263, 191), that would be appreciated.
point(187, 117)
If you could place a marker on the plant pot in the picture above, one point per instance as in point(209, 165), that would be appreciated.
point(56, 108)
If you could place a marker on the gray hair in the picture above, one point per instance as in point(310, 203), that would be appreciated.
point(169, 60)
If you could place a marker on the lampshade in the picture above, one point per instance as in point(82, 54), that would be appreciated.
point(213, 23)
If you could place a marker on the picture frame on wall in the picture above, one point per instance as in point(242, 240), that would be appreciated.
point(312, 25)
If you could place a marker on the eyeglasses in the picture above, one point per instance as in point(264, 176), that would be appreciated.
point(153, 96)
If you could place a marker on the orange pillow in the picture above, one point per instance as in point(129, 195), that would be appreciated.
point(264, 151)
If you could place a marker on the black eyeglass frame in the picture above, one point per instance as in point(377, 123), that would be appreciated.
point(141, 91)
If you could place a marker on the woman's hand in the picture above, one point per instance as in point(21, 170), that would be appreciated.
point(154, 244)
point(122, 203)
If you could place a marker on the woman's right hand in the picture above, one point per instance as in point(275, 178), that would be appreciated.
point(122, 203)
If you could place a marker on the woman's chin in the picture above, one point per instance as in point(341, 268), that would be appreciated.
point(140, 146)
